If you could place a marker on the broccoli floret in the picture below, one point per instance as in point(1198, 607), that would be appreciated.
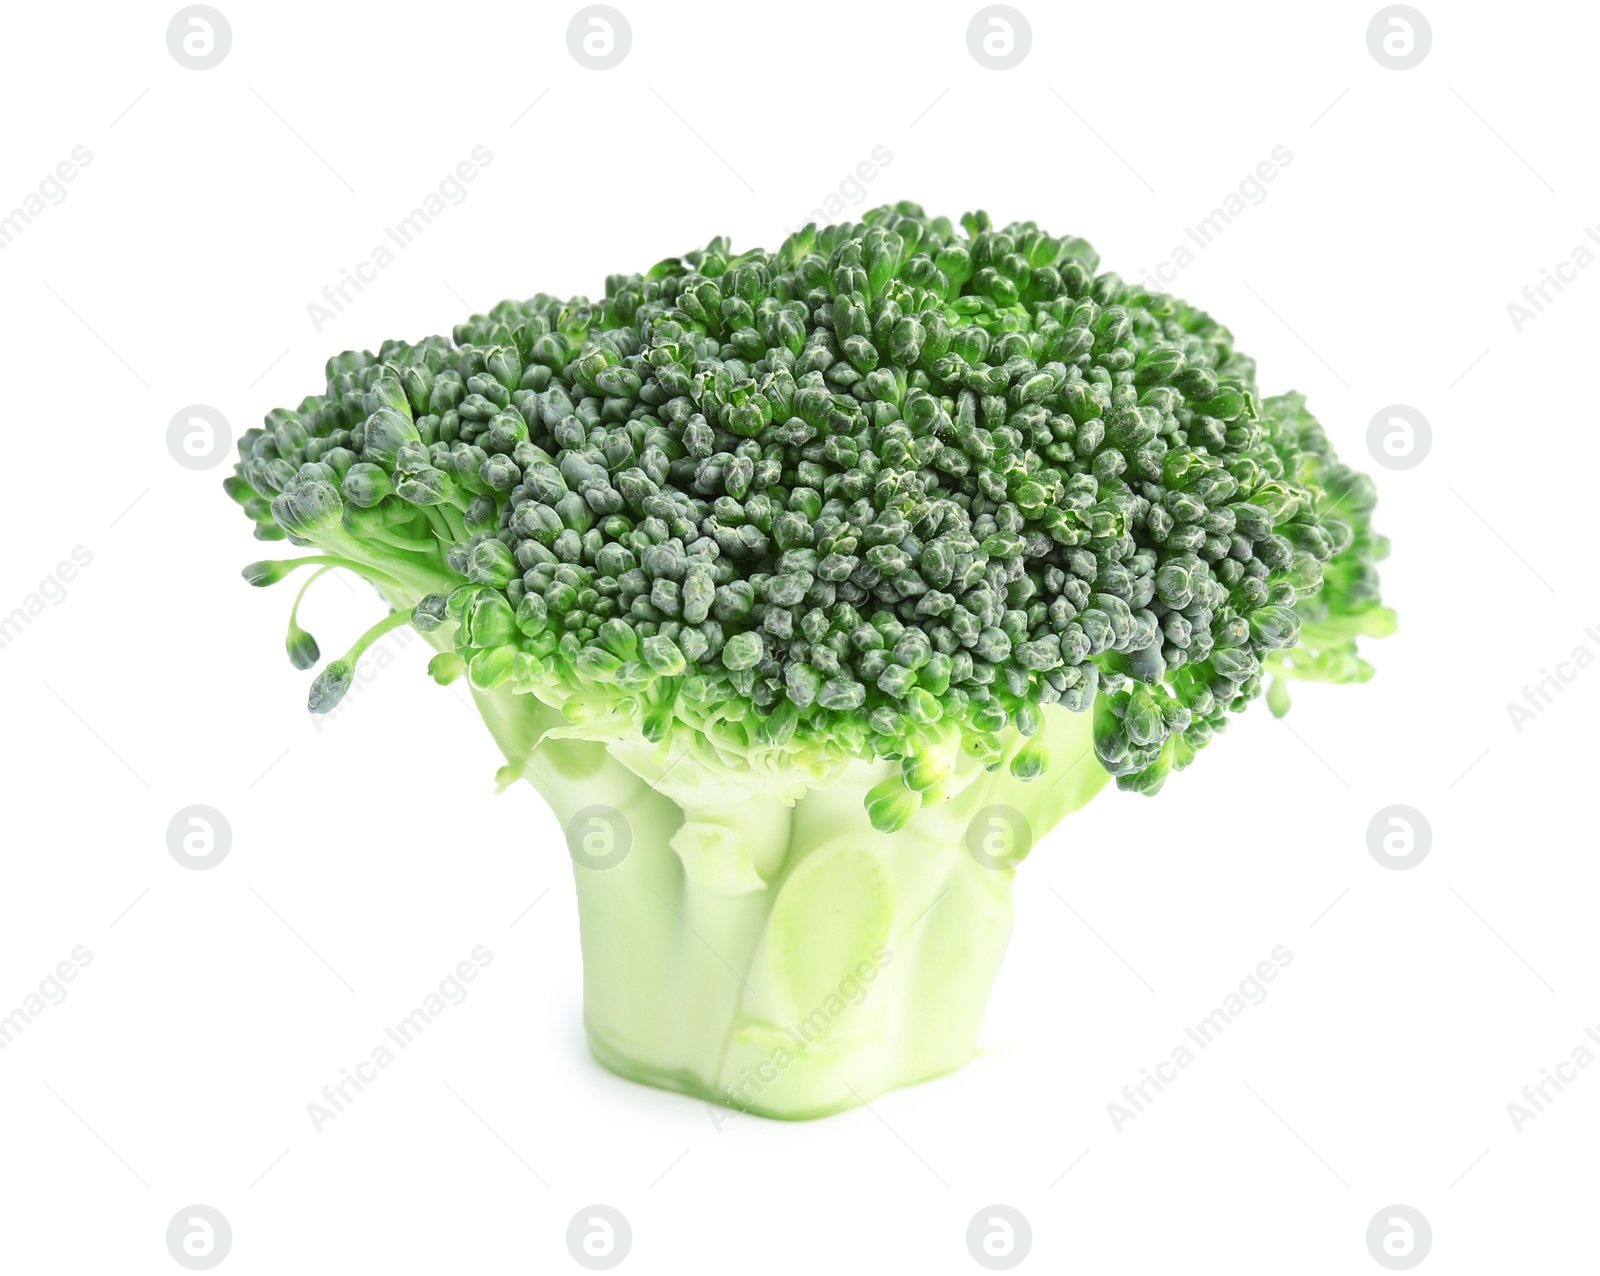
point(795, 567)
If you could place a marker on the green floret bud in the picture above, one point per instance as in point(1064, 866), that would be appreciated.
point(742, 651)
point(841, 694)
point(492, 563)
point(267, 572)
point(330, 686)
point(804, 684)
point(897, 681)
point(922, 771)
point(302, 648)
point(1274, 627)
point(533, 615)
point(890, 805)
point(923, 707)
point(1031, 761)
point(307, 506)
point(423, 485)
point(386, 431)
point(491, 666)
point(446, 667)
point(488, 620)
point(663, 655)
point(429, 613)
point(365, 484)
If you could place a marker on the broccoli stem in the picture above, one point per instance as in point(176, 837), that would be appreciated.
point(786, 960)
point(407, 544)
point(454, 521)
point(402, 577)
point(441, 530)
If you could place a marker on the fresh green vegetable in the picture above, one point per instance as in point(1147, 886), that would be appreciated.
point(811, 588)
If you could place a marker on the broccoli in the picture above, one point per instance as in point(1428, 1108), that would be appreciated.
point(810, 589)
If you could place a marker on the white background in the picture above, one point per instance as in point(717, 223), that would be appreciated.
point(369, 856)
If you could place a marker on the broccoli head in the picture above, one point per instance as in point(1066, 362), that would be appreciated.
point(896, 520)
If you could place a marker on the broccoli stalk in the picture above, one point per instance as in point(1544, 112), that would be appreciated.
point(811, 589)
point(783, 958)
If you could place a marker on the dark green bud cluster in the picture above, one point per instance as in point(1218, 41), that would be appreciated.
point(888, 486)
point(1348, 605)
